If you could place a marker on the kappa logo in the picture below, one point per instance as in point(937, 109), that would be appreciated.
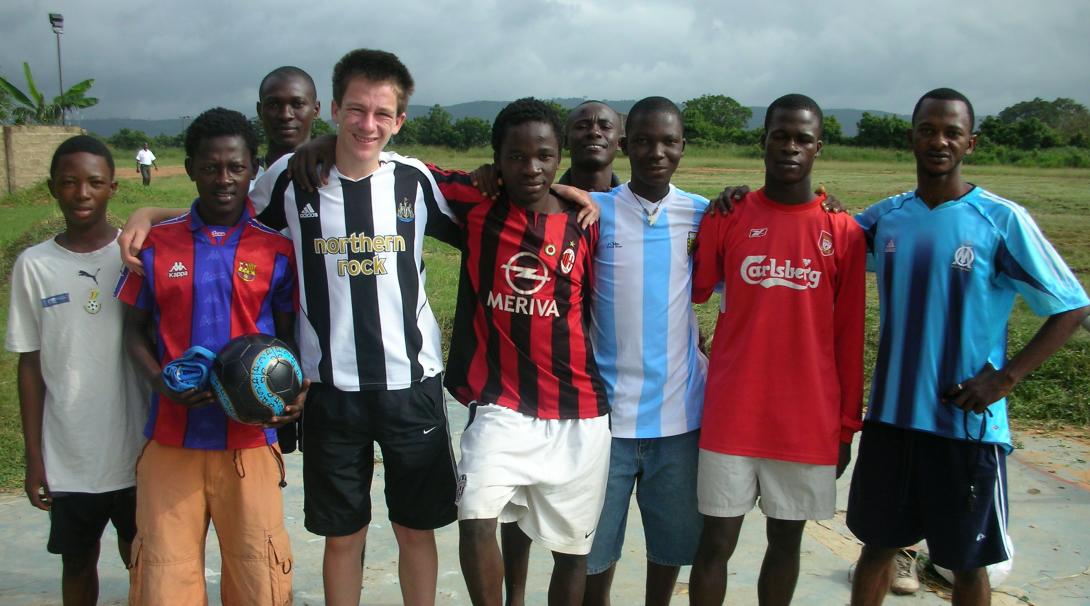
point(247, 271)
point(308, 212)
point(964, 257)
point(178, 270)
point(825, 243)
point(758, 232)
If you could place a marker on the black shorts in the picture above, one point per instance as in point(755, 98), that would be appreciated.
point(410, 425)
point(77, 519)
point(911, 485)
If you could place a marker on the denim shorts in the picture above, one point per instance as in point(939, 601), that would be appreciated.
point(663, 472)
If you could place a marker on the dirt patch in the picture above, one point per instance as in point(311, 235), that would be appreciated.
point(164, 171)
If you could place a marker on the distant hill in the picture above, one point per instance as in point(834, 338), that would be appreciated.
point(486, 110)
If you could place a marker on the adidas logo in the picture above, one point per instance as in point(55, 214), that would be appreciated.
point(178, 270)
point(890, 246)
point(308, 212)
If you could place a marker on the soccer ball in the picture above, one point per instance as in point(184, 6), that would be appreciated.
point(254, 377)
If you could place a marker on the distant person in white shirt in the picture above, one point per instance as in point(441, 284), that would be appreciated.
point(144, 161)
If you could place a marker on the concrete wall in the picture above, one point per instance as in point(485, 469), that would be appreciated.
point(27, 152)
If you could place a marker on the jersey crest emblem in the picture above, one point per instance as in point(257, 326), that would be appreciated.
point(92, 306)
point(247, 271)
point(964, 257)
point(177, 270)
point(825, 243)
point(567, 260)
point(690, 243)
point(405, 211)
point(550, 249)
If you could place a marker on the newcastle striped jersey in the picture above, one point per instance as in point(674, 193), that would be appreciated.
point(365, 323)
point(522, 327)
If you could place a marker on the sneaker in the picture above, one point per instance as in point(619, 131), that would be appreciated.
point(905, 580)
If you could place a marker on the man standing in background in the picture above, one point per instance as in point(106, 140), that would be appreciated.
point(144, 161)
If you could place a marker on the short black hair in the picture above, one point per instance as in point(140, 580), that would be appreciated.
point(219, 122)
point(377, 66)
point(945, 94)
point(796, 101)
point(527, 109)
point(288, 71)
point(652, 105)
point(78, 144)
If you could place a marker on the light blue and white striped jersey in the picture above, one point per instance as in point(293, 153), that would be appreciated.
point(947, 278)
point(644, 330)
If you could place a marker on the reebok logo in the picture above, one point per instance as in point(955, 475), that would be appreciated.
point(758, 232)
point(308, 212)
point(178, 270)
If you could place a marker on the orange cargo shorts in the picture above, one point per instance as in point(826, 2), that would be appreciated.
point(178, 491)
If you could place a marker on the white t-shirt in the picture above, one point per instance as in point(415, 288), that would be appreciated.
point(145, 157)
point(95, 402)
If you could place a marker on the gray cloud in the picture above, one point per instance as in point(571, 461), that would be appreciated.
point(160, 61)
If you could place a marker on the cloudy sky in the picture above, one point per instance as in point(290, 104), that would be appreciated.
point(169, 59)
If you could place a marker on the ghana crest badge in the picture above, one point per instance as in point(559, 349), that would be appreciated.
point(92, 306)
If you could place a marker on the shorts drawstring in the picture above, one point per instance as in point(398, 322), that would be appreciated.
point(280, 464)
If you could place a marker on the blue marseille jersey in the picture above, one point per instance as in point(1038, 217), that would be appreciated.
point(644, 329)
point(947, 278)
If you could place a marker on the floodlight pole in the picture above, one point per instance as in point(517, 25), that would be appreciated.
point(57, 21)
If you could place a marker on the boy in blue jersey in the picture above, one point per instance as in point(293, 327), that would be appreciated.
point(950, 258)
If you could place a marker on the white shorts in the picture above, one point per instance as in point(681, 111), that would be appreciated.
point(548, 475)
point(727, 486)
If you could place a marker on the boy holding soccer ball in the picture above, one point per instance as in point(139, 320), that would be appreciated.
point(210, 275)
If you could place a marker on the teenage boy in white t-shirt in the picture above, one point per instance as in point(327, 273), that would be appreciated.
point(82, 405)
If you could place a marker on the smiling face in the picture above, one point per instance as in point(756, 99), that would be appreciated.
point(221, 168)
point(367, 116)
point(287, 108)
point(82, 183)
point(655, 144)
point(941, 136)
point(791, 143)
point(528, 158)
point(594, 131)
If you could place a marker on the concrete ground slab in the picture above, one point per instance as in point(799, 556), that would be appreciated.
point(1049, 485)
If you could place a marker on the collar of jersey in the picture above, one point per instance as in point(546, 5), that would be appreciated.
point(196, 223)
point(948, 203)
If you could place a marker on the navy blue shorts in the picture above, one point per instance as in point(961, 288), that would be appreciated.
point(911, 485)
point(77, 519)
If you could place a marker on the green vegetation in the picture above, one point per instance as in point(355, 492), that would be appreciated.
point(1058, 392)
point(31, 107)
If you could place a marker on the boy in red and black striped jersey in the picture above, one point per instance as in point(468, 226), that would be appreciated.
point(536, 450)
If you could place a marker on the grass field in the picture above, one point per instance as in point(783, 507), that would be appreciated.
point(1057, 198)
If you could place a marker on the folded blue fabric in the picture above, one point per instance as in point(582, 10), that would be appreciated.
point(189, 371)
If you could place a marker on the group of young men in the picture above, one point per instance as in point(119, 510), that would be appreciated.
point(575, 347)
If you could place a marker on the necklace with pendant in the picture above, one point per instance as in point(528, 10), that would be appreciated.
point(651, 215)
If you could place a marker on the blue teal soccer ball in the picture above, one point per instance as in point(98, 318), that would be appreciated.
point(254, 377)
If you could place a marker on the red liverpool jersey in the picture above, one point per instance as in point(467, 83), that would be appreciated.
point(521, 329)
point(785, 379)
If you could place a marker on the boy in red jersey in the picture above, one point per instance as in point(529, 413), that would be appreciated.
point(788, 267)
point(536, 450)
point(210, 275)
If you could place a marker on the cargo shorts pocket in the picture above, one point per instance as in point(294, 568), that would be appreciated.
point(280, 566)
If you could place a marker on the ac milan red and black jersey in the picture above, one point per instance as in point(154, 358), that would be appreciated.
point(521, 329)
